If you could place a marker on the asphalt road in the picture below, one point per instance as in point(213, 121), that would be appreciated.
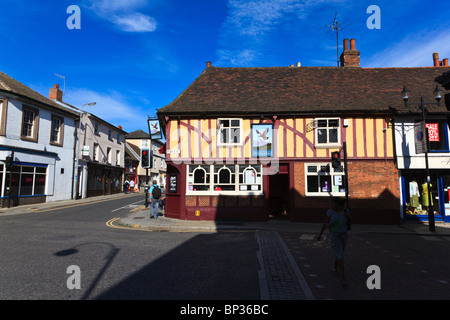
point(37, 251)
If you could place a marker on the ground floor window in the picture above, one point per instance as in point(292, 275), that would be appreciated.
point(26, 180)
point(416, 192)
point(224, 179)
point(322, 179)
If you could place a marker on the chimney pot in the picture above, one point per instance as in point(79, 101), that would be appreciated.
point(120, 127)
point(436, 59)
point(208, 64)
point(55, 93)
point(352, 44)
point(345, 44)
point(299, 64)
point(445, 61)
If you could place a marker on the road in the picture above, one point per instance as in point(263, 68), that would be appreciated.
point(37, 249)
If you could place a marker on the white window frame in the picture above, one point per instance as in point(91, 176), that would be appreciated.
point(219, 135)
point(96, 152)
point(332, 173)
point(327, 144)
point(108, 155)
point(117, 157)
point(253, 187)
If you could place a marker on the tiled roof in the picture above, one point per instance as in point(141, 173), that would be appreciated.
point(138, 134)
point(12, 86)
point(297, 90)
point(444, 80)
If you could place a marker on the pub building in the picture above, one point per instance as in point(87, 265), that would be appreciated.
point(256, 143)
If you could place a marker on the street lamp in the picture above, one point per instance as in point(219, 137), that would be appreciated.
point(438, 96)
point(75, 186)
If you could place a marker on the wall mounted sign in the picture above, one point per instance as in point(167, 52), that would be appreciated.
point(173, 183)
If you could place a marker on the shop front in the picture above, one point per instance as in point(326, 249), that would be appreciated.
point(415, 198)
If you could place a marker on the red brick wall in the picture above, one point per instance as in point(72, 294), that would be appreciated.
point(374, 195)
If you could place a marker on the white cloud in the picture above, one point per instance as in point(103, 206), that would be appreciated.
point(413, 51)
point(245, 57)
point(125, 14)
point(249, 23)
point(135, 22)
point(112, 107)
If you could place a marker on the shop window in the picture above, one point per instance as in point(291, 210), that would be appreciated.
point(416, 193)
point(224, 179)
point(229, 132)
point(327, 132)
point(323, 180)
point(27, 180)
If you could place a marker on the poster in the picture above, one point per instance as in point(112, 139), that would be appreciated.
point(262, 140)
point(433, 131)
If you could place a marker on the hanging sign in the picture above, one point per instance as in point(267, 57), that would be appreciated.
point(155, 129)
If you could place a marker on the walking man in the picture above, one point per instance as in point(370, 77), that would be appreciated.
point(155, 191)
point(132, 186)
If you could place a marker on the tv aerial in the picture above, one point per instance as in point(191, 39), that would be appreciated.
point(64, 78)
point(335, 26)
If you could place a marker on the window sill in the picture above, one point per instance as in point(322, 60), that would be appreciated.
point(31, 139)
point(230, 145)
point(224, 193)
point(325, 194)
point(328, 146)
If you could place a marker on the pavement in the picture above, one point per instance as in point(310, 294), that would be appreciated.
point(139, 218)
point(293, 266)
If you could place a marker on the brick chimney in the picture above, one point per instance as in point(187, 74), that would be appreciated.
point(55, 93)
point(350, 57)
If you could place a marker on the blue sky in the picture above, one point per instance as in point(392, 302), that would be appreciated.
point(133, 57)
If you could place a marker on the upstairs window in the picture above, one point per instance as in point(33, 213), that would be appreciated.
point(96, 128)
point(56, 131)
point(229, 132)
point(30, 121)
point(437, 135)
point(327, 132)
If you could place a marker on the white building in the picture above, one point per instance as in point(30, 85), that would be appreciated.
point(136, 141)
point(39, 134)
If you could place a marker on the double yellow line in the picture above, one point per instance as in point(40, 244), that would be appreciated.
point(110, 224)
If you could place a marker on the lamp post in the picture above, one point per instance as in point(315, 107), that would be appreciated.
point(75, 187)
point(423, 109)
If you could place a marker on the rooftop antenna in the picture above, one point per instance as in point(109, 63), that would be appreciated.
point(334, 26)
point(64, 78)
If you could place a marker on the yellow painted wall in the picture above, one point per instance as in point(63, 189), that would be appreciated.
point(295, 139)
